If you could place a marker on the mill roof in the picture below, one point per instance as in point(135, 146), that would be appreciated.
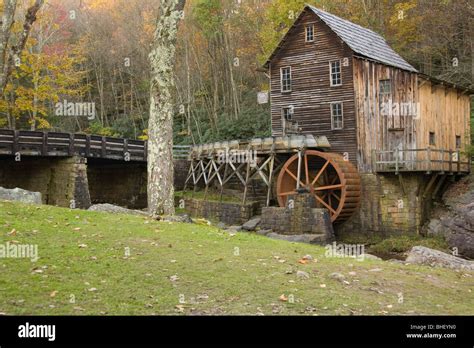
point(362, 41)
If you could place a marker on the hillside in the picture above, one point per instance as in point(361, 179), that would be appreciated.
point(98, 263)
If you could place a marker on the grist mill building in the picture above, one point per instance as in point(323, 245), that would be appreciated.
point(404, 131)
point(354, 125)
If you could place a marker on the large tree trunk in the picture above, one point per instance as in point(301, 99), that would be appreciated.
point(6, 24)
point(160, 125)
point(9, 54)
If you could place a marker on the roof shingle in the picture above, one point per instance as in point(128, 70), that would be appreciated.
point(363, 41)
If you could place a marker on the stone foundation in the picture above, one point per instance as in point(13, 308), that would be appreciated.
point(389, 206)
point(301, 217)
point(61, 181)
point(76, 183)
point(227, 212)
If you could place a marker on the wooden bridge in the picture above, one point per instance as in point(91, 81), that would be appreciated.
point(77, 170)
point(55, 144)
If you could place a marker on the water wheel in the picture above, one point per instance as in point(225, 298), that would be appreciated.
point(334, 182)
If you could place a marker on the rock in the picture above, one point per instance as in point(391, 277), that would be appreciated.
point(470, 217)
point(453, 220)
point(371, 257)
point(263, 232)
point(434, 228)
point(397, 261)
point(221, 225)
point(183, 218)
point(302, 275)
point(308, 257)
point(115, 209)
point(252, 224)
point(300, 238)
point(234, 228)
point(462, 239)
point(425, 256)
point(337, 276)
point(20, 195)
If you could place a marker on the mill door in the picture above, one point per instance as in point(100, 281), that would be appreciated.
point(396, 145)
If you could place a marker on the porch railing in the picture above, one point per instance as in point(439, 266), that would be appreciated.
point(427, 160)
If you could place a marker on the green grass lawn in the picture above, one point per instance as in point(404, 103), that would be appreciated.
point(181, 269)
point(211, 196)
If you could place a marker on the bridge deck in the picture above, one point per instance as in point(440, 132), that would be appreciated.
point(31, 143)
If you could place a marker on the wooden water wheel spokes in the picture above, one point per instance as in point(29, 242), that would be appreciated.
point(334, 182)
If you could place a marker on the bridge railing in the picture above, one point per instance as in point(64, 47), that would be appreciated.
point(181, 152)
point(33, 143)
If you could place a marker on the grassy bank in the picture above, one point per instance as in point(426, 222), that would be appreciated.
point(98, 263)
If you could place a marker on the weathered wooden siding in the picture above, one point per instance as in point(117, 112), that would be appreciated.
point(444, 111)
point(377, 130)
point(311, 93)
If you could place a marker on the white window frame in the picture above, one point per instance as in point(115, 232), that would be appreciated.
point(331, 73)
point(306, 30)
point(332, 116)
point(281, 79)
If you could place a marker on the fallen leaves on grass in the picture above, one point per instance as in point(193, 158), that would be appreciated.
point(174, 278)
point(306, 259)
point(202, 222)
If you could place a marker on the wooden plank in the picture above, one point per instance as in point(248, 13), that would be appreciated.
point(103, 147)
point(16, 141)
point(430, 184)
point(88, 145)
point(125, 148)
point(44, 149)
point(71, 144)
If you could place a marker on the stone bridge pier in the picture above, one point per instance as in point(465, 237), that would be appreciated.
point(77, 182)
point(62, 181)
